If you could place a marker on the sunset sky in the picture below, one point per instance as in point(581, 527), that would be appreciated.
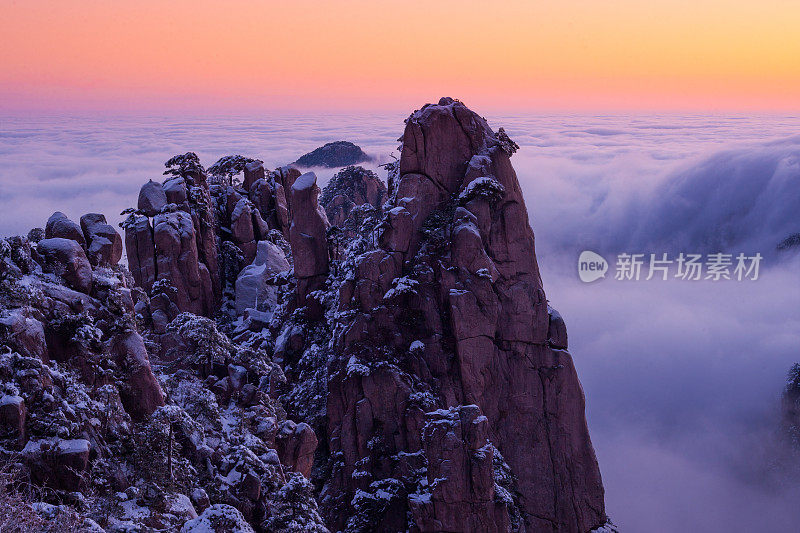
point(718, 55)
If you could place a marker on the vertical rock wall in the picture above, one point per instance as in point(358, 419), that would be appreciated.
point(450, 312)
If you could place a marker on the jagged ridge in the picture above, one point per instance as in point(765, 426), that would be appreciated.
point(389, 354)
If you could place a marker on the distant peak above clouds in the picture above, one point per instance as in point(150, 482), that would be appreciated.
point(335, 154)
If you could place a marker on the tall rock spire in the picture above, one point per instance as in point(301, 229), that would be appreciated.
point(445, 375)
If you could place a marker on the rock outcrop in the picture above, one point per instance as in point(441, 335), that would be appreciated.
point(66, 259)
point(253, 172)
point(402, 368)
point(254, 289)
point(141, 250)
point(103, 243)
point(349, 188)
point(179, 244)
point(141, 393)
point(13, 416)
point(307, 236)
point(460, 475)
point(177, 262)
point(59, 463)
point(84, 417)
point(284, 179)
point(296, 445)
point(242, 228)
point(87, 325)
point(450, 312)
point(333, 155)
point(60, 226)
point(152, 198)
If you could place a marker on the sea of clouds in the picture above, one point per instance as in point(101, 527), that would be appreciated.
point(682, 378)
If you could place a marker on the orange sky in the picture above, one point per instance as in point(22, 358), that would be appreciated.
point(724, 55)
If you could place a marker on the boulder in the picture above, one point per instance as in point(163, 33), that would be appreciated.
point(282, 210)
point(152, 198)
point(200, 499)
point(103, 243)
point(242, 229)
point(261, 228)
point(263, 197)
point(252, 288)
point(286, 177)
point(296, 444)
point(25, 334)
point(176, 193)
point(12, 417)
point(57, 463)
point(180, 506)
point(60, 226)
point(253, 172)
point(206, 227)
point(66, 258)
point(18, 255)
point(231, 199)
point(399, 230)
point(141, 393)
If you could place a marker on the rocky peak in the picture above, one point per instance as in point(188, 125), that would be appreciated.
point(350, 187)
point(403, 368)
point(450, 312)
point(333, 155)
point(307, 236)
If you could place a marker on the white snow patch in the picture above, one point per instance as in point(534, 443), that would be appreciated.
point(416, 346)
point(306, 181)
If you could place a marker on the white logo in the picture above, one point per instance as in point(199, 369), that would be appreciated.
point(591, 266)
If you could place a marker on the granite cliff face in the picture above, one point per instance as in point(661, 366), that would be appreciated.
point(445, 329)
point(281, 358)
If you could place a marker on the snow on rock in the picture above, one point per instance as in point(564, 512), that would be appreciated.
point(60, 226)
point(152, 198)
point(455, 268)
point(58, 463)
point(484, 187)
point(305, 181)
point(218, 517)
point(334, 154)
point(103, 243)
point(253, 287)
point(257, 365)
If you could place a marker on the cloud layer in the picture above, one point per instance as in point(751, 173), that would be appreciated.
point(682, 379)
